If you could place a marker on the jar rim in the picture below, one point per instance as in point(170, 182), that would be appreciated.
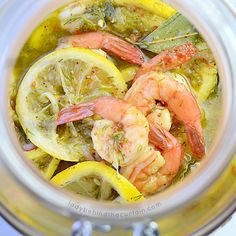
point(172, 198)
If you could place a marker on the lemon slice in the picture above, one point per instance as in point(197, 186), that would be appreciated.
point(209, 78)
point(156, 6)
point(129, 73)
point(98, 181)
point(62, 78)
point(46, 164)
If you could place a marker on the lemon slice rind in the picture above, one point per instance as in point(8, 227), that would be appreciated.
point(123, 187)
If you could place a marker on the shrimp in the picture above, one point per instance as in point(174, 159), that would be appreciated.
point(108, 42)
point(147, 166)
point(144, 172)
point(160, 123)
point(171, 148)
point(168, 59)
point(131, 126)
point(160, 116)
point(153, 171)
point(148, 163)
point(178, 99)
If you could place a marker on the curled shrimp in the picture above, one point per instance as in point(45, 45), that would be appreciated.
point(108, 42)
point(131, 125)
point(147, 164)
point(143, 169)
point(168, 59)
point(108, 142)
point(148, 172)
point(178, 99)
point(153, 171)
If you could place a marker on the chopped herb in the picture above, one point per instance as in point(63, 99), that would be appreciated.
point(118, 136)
point(188, 165)
point(140, 147)
point(101, 23)
point(109, 11)
point(136, 198)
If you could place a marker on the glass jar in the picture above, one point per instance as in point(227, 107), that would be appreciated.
point(195, 206)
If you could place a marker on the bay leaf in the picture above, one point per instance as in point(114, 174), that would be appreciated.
point(175, 31)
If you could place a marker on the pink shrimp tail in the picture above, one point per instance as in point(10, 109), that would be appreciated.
point(75, 113)
point(122, 49)
point(172, 150)
point(110, 43)
point(196, 139)
point(108, 107)
point(168, 59)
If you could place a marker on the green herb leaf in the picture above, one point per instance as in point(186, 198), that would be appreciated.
point(118, 136)
point(175, 31)
point(189, 164)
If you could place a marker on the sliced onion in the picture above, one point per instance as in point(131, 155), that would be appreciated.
point(28, 147)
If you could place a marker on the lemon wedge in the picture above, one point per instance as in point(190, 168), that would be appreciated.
point(60, 79)
point(46, 164)
point(98, 181)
